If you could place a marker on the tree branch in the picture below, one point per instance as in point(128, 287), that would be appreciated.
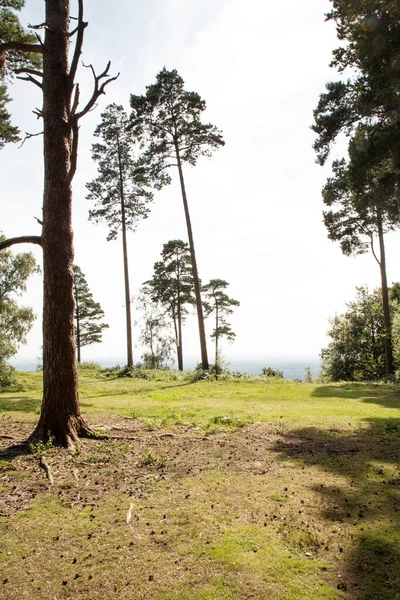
point(373, 249)
point(25, 239)
point(28, 136)
point(17, 46)
point(78, 45)
point(98, 89)
point(32, 80)
point(30, 71)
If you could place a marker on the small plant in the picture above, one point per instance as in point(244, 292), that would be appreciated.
point(41, 447)
point(151, 459)
point(279, 428)
point(308, 378)
point(154, 424)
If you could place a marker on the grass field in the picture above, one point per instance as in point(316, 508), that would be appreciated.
point(233, 490)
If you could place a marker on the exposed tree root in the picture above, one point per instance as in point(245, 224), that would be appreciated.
point(61, 434)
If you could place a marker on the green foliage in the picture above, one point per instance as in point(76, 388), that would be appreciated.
point(7, 377)
point(172, 287)
point(308, 378)
point(273, 373)
point(11, 30)
point(15, 321)
point(356, 349)
point(217, 302)
point(88, 313)
point(41, 447)
point(155, 336)
point(168, 118)
point(122, 190)
point(370, 36)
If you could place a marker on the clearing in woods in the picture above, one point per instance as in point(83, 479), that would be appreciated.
point(211, 490)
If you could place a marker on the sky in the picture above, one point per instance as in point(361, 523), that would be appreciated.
point(256, 205)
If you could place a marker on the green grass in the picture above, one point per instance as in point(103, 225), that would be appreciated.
point(247, 489)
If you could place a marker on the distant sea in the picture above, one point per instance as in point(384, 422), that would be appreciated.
point(291, 368)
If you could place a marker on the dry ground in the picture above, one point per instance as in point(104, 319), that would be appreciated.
point(262, 512)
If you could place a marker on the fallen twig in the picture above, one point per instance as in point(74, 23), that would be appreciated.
point(46, 467)
point(129, 514)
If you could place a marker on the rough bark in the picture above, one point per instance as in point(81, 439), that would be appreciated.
point(77, 326)
point(196, 282)
point(60, 417)
point(385, 300)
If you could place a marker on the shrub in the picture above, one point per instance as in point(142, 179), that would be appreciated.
point(270, 372)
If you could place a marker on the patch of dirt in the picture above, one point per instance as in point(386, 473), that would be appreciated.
point(130, 460)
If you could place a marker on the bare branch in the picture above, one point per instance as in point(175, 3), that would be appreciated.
point(76, 101)
point(74, 150)
point(28, 136)
point(38, 113)
point(373, 249)
point(98, 89)
point(32, 80)
point(30, 71)
point(39, 221)
point(78, 46)
point(39, 39)
point(25, 239)
point(41, 26)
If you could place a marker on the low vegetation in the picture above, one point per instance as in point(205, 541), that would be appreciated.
point(248, 488)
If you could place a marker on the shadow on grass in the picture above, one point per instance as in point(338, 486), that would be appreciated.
point(26, 404)
point(136, 392)
point(368, 502)
point(372, 393)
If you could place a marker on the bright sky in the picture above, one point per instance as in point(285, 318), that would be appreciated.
point(256, 204)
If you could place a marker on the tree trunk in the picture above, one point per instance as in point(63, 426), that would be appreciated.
point(179, 307)
point(385, 300)
point(77, 327)
point(129, 351)
point(199, 305)
point(216, 340)
point(60, 417)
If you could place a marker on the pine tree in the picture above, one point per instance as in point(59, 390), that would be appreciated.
point(15, 61)
point(88, 313)
point(169, 118)
point(219, 303)
point(172, 287)
point(60, 417)
point(122, 190)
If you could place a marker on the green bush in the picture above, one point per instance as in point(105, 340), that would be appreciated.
point(270, 372)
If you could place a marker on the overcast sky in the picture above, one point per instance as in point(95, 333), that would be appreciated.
point(256, 204)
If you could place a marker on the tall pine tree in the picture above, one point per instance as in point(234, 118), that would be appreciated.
point(122, 190)
point(168, 118)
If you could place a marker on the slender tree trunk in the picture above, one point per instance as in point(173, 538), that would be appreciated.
point(60, 417)
point(129, 352)
point(385, 300)
point(196, 282)
point(77, 327)
point(175, 321)
point(179, 306)
point(216, 338)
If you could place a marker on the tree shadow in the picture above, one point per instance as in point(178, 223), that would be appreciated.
point(136, 392)
point(26, 404)
point(365, 499)
point(372, 393)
